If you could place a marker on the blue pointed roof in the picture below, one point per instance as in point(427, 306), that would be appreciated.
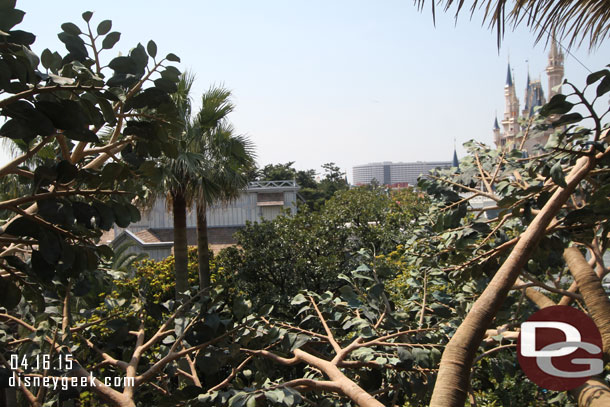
point(496, 126)
point(509, 77)
point(455, 163)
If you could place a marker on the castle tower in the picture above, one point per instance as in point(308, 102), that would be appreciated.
point(527, 99)
point(511, 111)
point(496, 130)
point(507, 135)
point(554, 69)
point(534, 96)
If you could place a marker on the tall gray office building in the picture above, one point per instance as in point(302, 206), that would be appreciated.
point(397, 174)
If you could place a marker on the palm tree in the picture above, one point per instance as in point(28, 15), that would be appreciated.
point(573, 19)
point(209, 166)
point(180, 173)
point(229, 159)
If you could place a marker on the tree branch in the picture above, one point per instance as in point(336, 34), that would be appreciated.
point(329, 334)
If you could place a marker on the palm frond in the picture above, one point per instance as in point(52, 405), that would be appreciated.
point(574, 20)
point(215, 106)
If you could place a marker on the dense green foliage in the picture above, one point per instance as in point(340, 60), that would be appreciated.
point(276, 259)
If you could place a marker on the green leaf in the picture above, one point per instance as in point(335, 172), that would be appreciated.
point(435, 355)
point(151, 47)
point(30, 56)
point(44, 175)
point(56, 211)
point(82, 135)
point(104, 27)
point(123, 80)
point(557, 175)
point(65, 114)
point(266, 310)
point(553, 141)
point(595, 76)
point(18, 129)
point(16, 262)
point(68, 255)
point(28, 115)
point(557, 105)
point(111, 39)
point(134, 213)
point(46, 58)
point(172, 73)
point(66, 171)
point(604, 86)
point(106, 215)
point(107, 111)
point(568, 119)
point(49, 246)
point(5, 75)
point(404, 355)
point(299, 341)
point(60, 80)
point(241, 307)
point(10, 18)
point(40, 267)
point(123, 65)
point(74, 44)
point(11, 294)
point(112, 172)
point(166, 85)
point(150, 97)
point(21, 37)
point(348, 294)
point(87, 15)
point(84, 213)
point(105, 251)
point(172, 57)
point(275, 396)
point(139, 56)
point(298, 300)
point(238, 400)
point(121, 215)
point(71, 28)
point(421, 357)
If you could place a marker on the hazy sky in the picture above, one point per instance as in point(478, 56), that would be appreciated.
point(348, 81)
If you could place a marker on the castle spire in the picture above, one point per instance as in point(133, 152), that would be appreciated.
point(554, 51)
point(554, 69)
point(509, 77)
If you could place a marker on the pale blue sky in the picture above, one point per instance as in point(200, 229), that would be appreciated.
point(349, 81)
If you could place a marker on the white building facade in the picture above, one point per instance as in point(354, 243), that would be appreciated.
point(262, 200)
point(395, 174)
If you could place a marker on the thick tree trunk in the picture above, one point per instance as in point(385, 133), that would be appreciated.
point(594, 393)
point(180, 244)
point(202, 245)
point(590, 287)
point(453, 378)
point(538, 298)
